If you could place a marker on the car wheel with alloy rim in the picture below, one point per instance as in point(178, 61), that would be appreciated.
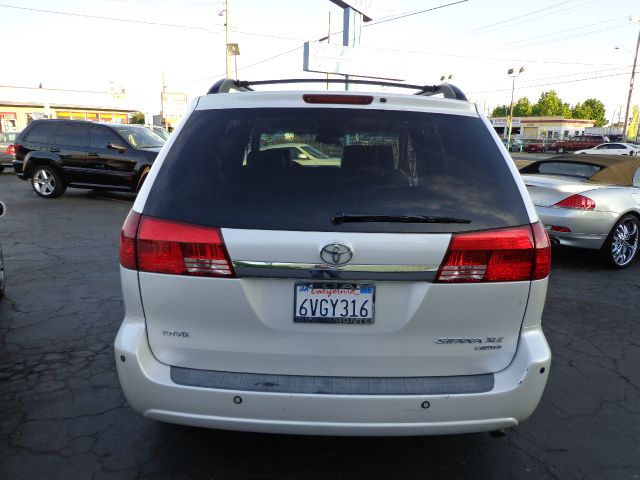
point(46, 182)
point(622, 245)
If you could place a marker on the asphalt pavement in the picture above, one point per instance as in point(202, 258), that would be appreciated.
point(63, 416)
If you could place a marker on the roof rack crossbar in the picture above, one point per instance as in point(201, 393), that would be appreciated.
point(446, 89)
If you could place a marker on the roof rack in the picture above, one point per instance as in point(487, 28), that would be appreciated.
point(449, 91)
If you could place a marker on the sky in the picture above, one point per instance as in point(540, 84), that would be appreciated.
point(564, 45)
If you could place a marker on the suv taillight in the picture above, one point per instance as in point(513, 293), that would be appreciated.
point(504, 255)
point(11, 150)
point(162, 246)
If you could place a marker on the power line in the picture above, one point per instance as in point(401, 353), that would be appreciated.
point(555, 33)
point(112, 19)
point(548, 84)
point(385, 20)
point(529, 16)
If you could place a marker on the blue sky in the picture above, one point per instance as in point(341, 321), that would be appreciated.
point(565, 45)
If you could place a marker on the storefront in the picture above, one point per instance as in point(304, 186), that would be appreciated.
point(19, 106)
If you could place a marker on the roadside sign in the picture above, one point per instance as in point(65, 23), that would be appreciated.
point(358, 62)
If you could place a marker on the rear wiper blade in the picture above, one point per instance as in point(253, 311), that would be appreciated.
point(353, 218)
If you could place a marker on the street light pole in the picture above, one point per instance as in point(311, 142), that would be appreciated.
point(633, 74)
point(513, 75)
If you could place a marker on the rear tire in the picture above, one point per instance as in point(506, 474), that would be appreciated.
point(561, 150)
point(46, 182)
point(621, 246)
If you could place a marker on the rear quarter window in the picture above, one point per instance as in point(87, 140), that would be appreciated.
point(41, 133)
point(225, 169)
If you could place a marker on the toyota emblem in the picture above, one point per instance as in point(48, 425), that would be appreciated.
point(336, 254)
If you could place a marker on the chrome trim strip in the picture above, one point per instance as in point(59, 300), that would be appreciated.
point(246, 268)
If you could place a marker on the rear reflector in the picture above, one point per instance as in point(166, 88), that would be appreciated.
point(345, 99)
point(164, 246)
point(577, 201)
point(504, 255)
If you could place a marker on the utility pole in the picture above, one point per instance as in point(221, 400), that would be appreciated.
point(226, 45)
point(633, 74)
point(351, 28)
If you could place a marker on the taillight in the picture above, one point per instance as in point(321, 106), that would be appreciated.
point(577, 201)
point(503, 255)
point(128, 234)
point(346, 99)
point(164, 246)
point(11, 150)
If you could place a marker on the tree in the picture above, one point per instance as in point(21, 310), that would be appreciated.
point(590, 109)
point(137, 118)
point(550, 105)
point(500, 111)
point(522, 108)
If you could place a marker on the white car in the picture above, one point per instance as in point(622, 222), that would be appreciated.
point(612, 148)
point(400, 293)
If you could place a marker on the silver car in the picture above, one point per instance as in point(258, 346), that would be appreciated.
point(589, 203)
point(7, 140)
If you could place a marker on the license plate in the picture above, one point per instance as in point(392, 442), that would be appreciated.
point(334, 303)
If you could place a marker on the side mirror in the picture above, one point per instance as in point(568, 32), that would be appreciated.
point(302, 156)
point(116, 146)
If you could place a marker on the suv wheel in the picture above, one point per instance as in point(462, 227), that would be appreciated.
point(560, 149)
point(621, 246)
point(46, 182)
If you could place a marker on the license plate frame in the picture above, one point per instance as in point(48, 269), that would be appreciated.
point(358, 297)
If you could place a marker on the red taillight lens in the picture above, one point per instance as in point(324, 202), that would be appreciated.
point(165, 246)
point(11, 150)
point(504, 255)
point(128, 241)
point(543, 251)
point(577, 201)
point(346, 99)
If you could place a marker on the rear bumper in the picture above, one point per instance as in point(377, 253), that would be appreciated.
point(148, 387)
point(589, 229)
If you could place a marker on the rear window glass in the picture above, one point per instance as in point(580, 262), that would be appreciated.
point(236, 169)
point(41, 133)
point(569, 169)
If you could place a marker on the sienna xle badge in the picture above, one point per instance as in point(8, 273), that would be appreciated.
point(394, 290)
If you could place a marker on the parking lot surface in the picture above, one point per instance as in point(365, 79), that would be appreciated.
point(63, 416)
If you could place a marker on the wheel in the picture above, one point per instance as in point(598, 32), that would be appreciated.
point(143, 177)
point(561, 150)
point(46, 182)
point(621, 246)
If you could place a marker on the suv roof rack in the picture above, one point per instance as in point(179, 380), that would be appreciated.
point(227, 84)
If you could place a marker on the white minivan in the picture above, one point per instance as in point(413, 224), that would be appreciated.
point(397, 291)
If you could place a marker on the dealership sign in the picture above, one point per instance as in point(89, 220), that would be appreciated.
point(359, 62)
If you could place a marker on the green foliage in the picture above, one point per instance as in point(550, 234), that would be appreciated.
point(500, 111)
point(522, 108)
point(137, 118)
point(591, 109)
point(550, 105)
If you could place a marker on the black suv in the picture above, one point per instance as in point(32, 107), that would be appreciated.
point(56, 154)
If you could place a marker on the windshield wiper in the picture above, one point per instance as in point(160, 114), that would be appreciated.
point(353, 218)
